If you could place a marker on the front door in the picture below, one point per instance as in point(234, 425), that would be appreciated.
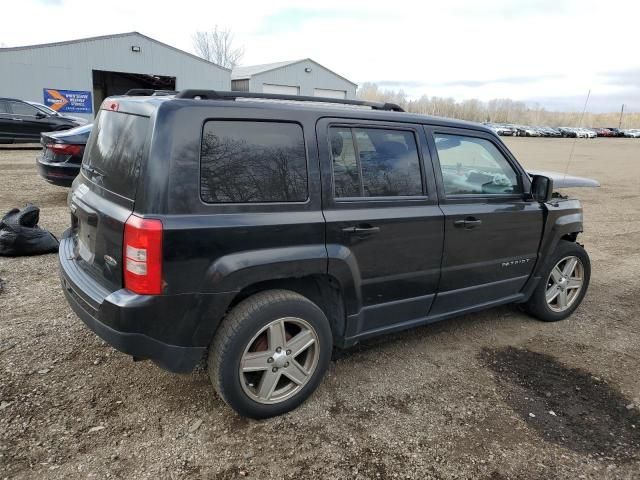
point(29, 121)
point(492, 233)
point(383, 222)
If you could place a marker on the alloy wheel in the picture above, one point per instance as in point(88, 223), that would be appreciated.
point(564, 284)
point(279, 360)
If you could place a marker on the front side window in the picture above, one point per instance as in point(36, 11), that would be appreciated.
point(244, 161)
point(474, 166)
point(374, 162)
point(19, 108)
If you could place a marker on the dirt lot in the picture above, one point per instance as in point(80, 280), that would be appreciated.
point(493, 395)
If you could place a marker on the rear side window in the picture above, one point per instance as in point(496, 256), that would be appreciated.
point(374, 162)
point(244, 161)
point(115, 150)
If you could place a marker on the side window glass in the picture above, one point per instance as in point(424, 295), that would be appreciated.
point(474, 166)
point(346, 171)
point(3, 107)
point(20, 108)
point(390, 165)
point(245, 161)
point(374, 162)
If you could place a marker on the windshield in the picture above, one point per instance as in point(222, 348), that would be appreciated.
point(44, 108)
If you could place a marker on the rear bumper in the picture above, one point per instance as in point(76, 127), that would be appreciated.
point(158, 328)
point(60, 174)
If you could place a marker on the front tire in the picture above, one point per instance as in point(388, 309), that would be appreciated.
point(270, 353)
point(564, 283)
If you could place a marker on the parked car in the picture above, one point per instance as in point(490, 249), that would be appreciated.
point(632, 133)
point(526, 131)
point(262, 234)
point(603, 132)
point(501, 130)
point(21, 122)
point(61, 155)
point(616, 131)
point(567, 132)
point(55, 113)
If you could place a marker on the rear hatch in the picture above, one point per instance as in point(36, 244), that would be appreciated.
point(103, 196)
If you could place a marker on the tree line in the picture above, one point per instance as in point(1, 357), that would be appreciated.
point(499, 110)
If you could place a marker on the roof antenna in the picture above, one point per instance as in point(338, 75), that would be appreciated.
point(573, 146)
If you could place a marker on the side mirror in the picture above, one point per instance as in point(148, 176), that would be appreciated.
point(541, 188)
point(41, 115)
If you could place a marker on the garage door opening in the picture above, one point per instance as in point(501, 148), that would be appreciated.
point(280, 89)
point(106, 84)
point(325, 92)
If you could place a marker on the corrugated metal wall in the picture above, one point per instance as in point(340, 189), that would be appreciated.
point(26, 71)
point(295, 75)
point(240, 85)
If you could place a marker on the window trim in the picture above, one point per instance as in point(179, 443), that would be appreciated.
point(306, 201)
point(432, 130)
point(386, 198)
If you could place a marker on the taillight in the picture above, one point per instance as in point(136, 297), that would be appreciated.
point(142, 253)
point(65, 149)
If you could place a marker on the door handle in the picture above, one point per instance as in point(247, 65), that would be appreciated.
point(361, 230)
point(468, 223)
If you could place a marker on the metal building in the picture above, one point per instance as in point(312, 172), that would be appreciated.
point(296, 77)
point(75, 76)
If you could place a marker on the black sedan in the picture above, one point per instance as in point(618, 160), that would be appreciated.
point(21, 122)
point(61, 156)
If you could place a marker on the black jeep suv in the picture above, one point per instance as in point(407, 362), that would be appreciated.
point(263, 233)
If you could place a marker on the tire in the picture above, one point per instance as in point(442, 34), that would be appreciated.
point(553, 311)
point(248, 337)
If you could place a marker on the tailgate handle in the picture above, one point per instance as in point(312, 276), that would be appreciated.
point(89, 213)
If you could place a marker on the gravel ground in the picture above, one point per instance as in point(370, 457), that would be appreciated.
point(492, 395)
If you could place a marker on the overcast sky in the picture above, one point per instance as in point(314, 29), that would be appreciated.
point(547, 51)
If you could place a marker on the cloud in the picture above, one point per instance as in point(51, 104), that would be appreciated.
point(295, 18)
point(623, 77)
point(531, 50)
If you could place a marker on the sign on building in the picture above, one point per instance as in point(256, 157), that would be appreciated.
point(70, 101)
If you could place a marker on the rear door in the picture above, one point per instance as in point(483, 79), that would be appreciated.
point(492, 233)
point(103, 195)
point(382, 216)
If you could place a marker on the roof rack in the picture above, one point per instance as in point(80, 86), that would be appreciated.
point(148, 92)
point(217, 95)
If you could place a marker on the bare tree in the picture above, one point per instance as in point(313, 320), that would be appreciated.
point(217, 46)
point(501, 110)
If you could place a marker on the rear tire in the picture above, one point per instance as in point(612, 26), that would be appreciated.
point(270, 353)
point(565, 279)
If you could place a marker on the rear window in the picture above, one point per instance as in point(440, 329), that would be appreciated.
point(115, 150)
point(244, 162)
